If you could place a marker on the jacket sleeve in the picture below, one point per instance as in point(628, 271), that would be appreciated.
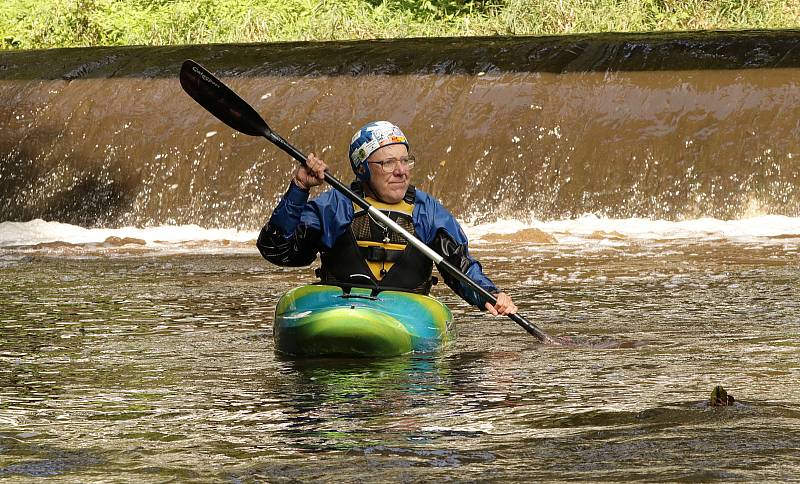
point(285, 240)
point(457, 254)
point(441, 231)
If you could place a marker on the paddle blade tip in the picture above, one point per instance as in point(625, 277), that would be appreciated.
point(218, 99)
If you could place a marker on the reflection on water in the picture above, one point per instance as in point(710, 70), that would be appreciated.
point(134, 367)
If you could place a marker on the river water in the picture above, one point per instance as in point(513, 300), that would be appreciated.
point(637, 193)
point(123, 363)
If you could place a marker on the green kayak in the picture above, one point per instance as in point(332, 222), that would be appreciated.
point(322, 320)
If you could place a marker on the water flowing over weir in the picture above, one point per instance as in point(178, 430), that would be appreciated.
point(671, 126)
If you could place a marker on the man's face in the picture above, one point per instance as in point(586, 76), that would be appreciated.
point(389, 187)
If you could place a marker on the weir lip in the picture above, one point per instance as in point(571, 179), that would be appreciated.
point(660, 51)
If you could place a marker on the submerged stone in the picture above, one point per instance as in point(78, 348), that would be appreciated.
point(720, 397)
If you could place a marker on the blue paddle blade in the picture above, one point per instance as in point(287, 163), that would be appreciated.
point(220, 100)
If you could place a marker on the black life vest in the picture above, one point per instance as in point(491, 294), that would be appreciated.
point(372, 255)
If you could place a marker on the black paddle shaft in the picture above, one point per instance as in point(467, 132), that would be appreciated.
point(228, 107)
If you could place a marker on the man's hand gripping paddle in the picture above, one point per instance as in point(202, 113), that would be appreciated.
point(232, 110)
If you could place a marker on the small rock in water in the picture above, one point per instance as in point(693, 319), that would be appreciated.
point(120, 241)
point(720, 398)
point(529, 235)
point(58, 244)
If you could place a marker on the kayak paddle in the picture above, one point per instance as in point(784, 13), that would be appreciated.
point(228, 107)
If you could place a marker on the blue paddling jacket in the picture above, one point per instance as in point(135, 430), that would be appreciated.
point(300, 228)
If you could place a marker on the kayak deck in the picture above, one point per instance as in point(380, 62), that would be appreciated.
point(323, 320)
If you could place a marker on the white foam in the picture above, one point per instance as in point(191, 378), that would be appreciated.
point(39, 231)
point(574, 231)
point(645, 229)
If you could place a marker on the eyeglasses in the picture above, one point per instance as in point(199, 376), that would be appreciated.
point(389, 165)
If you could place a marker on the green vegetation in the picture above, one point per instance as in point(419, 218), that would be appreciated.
point(70, 23)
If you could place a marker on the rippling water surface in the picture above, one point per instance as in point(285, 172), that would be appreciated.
point(123, 365)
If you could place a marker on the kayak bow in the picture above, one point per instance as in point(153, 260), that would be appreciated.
point(322, 320)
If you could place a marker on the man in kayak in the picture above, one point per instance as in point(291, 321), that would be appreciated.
point(357, 249)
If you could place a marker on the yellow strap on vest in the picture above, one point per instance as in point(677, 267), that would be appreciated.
point(380, 268)
point(401, 206)
point(389, 246)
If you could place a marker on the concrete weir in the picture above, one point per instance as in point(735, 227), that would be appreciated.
point(672, 126)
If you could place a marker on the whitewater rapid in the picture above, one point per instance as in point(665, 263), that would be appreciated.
point(588, 229)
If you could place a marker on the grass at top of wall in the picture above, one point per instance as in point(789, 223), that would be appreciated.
point(30, 24)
